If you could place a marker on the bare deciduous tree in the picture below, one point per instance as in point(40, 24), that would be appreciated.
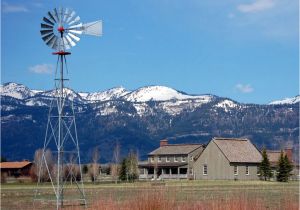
point(116, 161)
point(43, 165)
point(94, 168)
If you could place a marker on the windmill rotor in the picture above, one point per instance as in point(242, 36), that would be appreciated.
point(61, 28)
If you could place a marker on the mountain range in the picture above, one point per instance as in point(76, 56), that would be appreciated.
point(138, 119)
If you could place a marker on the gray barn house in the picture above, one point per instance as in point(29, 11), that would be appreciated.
point(228, 159)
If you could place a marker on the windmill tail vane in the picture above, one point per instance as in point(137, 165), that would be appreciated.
point(60, 30)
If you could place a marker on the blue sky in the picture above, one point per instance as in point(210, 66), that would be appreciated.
point(244, 50)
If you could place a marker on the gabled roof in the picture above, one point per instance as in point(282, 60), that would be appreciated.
point(176, 149)
point(14, 165)
point(273, 155)
point(238, 150)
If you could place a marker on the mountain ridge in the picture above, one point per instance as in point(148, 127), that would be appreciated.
point(140, 124)
point(21, 91)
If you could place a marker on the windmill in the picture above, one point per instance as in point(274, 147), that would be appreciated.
point(60, 30)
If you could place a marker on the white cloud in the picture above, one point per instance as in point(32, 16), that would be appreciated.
point(9, 8)
point(42, 69)
point(258, 5)
point(244, 88)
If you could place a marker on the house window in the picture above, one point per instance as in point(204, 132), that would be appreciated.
point(236, 171)
point(247, 170)
point(175, 159)
point(205, 169)
point(183, 159)
point(159, 159)
point(191, 171)
point(191, 158)
point(167, 159)
point(152, 159)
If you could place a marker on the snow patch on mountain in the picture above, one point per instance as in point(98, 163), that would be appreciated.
point(15, 90)
point(178, 106)
point(110, 94)
point(292, 100)
point(226, 105)
point(67, 92)
point(156, 93)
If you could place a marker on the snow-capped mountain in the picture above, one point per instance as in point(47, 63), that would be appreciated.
point(140, 118)
point(168, 100)
point(69, 93)
point(159, 93)
point(110, 94)
point(292, 100)
point(16, 90)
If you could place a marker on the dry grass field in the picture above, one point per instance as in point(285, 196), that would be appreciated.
point(215, 195)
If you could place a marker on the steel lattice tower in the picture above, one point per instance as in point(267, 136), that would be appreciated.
point(63, 169)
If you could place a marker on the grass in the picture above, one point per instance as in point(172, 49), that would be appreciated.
point(185, 194)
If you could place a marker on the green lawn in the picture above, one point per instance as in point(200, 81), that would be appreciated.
point(20, 196)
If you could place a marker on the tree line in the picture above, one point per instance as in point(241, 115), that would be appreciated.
point(125, 169)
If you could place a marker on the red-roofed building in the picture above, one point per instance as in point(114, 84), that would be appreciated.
point(21, 168)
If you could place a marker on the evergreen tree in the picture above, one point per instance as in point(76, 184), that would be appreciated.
point(265, 167)
point(284, 168)
point(123, 170)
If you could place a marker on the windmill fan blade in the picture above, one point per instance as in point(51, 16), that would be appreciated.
point(48, 21)
point(49, 40)
point(76, 26)
point(56, 16)
point(56, 44)
point(46, 32)
point(48, 37)
point(75, 31)
point(70, 17)
point(75, 20)
point(70, 41)
point(74, 37)
point(93, 28)
point(52, 42)
point(51, 17)
point(66, 14)
point(66, 43)
point(46, 26)
point(61, 14)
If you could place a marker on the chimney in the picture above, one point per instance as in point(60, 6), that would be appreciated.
point(163, 142)
point(289, 153)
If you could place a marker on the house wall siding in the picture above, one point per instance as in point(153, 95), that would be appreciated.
point(219, 167)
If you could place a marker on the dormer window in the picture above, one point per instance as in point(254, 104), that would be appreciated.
point(183, 159)
point(175, 159)
point(167, 159)
point(159, 159)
